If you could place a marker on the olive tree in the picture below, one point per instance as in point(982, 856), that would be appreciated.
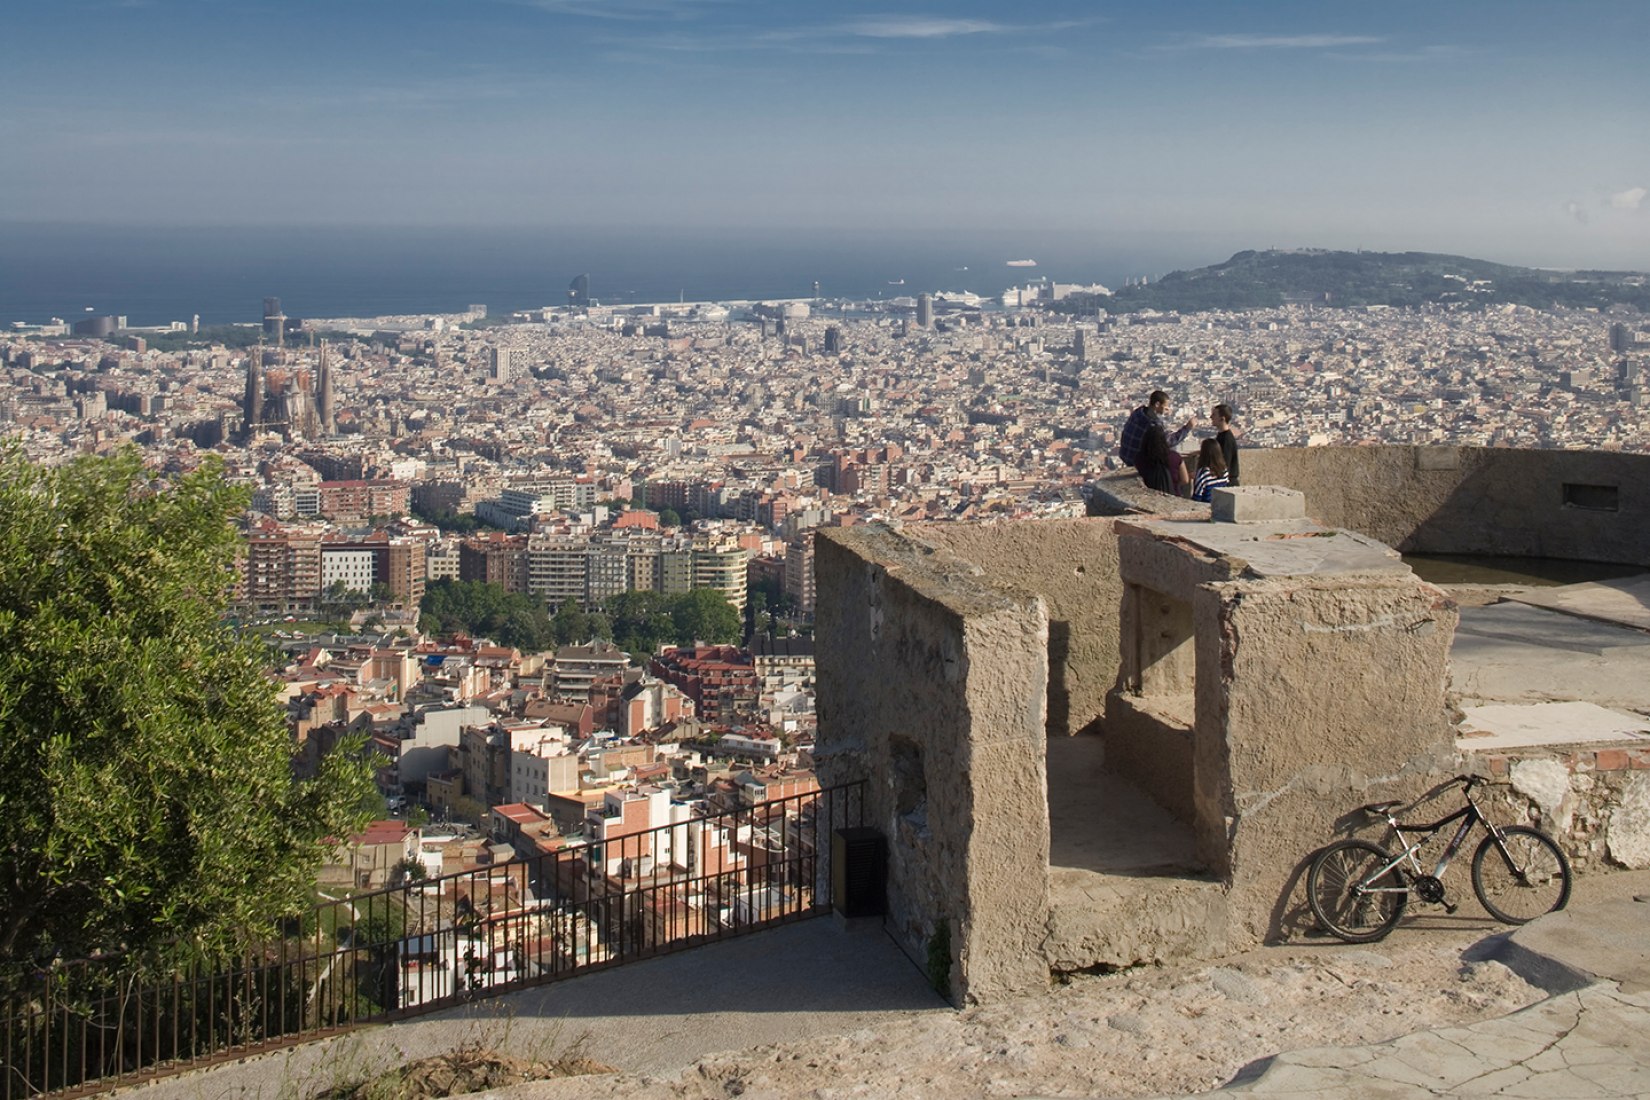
point(147, 795)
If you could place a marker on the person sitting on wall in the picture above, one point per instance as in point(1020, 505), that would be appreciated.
point(1211, 471)
point(1221, 417)
point(1147, 444)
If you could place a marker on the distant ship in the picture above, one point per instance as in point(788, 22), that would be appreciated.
point(896, 282)
point(1021, 263)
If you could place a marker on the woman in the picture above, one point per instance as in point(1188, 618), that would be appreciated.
point(1211, 470)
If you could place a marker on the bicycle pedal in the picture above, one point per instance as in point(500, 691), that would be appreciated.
point(1450, 907)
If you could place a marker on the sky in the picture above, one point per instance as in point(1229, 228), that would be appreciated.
point(1510, 130)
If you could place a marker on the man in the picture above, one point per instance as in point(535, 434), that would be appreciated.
point(1221, 417)
point(1146, 443)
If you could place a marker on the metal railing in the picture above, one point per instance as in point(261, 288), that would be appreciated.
point(72, 1027)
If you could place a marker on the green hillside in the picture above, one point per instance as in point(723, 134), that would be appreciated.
point(1259, 280)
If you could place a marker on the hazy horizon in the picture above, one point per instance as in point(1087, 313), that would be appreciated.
point(1508, 130)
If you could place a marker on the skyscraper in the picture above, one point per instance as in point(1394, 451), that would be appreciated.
point(274, 321)
point(499, 370)
point(578, 292)
point(833, 340)
point(925, 311)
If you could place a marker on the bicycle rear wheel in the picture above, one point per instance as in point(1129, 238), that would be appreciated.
point(1522, 877)
point(1354, 893)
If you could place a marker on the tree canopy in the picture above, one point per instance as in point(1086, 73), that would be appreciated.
point(146, 777)
point(637, 621)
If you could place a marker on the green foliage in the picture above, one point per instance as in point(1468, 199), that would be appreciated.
point(1258, 280)
point(643, 621)
point(668, 517)
point(704, 615)
point(145, 765)
point(486, 610)
point(453, 523)
point(575, 626)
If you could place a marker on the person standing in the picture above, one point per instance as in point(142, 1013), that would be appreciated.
point(1221, 417)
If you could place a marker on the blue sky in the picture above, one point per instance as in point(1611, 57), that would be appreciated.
point(1516, 131)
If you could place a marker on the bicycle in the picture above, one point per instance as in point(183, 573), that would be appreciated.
point(1358, 890)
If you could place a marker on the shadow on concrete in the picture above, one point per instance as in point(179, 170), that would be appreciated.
point(820, 965)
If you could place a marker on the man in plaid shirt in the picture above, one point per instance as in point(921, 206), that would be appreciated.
point(1147, 446)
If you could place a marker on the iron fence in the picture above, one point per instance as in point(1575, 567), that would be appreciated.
point(612, 895)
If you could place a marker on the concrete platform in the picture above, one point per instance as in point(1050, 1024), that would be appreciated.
point(1625, 602)
point(1593, 1040)
point(1511, 726)
point(1285, 548)
point(1513, 652)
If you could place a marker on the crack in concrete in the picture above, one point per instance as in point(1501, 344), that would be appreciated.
point(1522, 1063)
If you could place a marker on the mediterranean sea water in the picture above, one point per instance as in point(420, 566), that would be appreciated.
point(154, 275)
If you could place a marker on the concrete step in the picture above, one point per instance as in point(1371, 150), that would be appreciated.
point(1110, 921)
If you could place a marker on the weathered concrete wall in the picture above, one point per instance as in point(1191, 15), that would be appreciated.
point(1315, 695)
point(1072, 564)
point(931, 686)
point(1594, 801)
point(1469, 500)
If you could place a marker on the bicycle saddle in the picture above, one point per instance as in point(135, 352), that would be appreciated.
point(1380, 809)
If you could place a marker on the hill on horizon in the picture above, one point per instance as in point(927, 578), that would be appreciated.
point(1276, 277)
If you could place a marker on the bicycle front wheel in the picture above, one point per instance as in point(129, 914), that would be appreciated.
point(1521, 876)
point(1355, 892)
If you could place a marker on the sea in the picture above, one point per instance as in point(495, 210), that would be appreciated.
point(153, 275)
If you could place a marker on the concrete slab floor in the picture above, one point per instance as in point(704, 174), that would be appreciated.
point(1514, 653)
point(1511, 725)
point(1286, 548)
point(1099, 822)
point(1625, 602)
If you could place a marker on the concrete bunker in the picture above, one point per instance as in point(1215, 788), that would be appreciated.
point(1123, 732)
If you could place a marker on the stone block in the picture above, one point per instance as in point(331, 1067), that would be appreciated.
point(1257, 504)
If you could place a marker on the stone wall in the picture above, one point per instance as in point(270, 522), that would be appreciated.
point(1473, 500)
point(1595, 800)
point(932, 688)
point(1072, 565)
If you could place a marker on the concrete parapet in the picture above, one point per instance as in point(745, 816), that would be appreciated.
point(1256, 504)
point(1580, 505)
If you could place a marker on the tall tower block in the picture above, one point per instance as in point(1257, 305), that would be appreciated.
point(275, 322)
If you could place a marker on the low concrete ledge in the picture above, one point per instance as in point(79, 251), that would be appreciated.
point(1256, 504)
point(1124, 494)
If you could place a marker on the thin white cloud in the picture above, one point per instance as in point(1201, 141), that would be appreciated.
point(1280, 41)
point(1576, 211)
point(918, 26)
point(629, 11)
point(1630, 199)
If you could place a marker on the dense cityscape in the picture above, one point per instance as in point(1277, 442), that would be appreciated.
point(600, 466)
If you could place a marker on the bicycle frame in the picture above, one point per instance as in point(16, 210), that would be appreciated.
point(1469, 816)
